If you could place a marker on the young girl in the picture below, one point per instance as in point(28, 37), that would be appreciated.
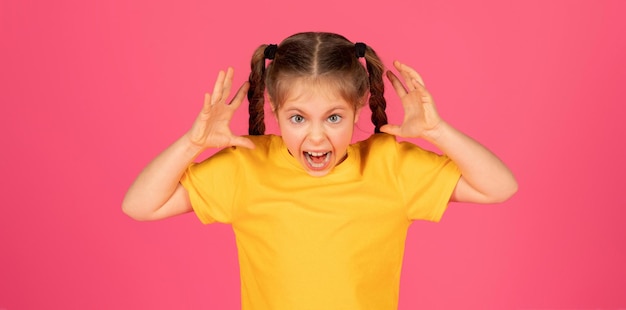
point(320, 223)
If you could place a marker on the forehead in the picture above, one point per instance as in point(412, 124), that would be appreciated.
point(306, 89)
point(317, 92)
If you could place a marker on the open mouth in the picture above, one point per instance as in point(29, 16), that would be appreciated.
point(317, 160)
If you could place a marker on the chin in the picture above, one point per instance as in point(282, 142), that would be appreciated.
point(318, 173)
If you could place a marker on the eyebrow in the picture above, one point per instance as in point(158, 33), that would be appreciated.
point(332, 109)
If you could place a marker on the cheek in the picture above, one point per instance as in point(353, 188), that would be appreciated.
point(343, 138)
point(292, 140)
point(292, 145)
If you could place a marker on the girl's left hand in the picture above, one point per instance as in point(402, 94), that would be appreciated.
point(421, 119)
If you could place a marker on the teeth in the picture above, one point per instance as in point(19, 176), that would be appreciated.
point(314, 164)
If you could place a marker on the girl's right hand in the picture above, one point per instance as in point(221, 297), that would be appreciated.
point(211, 128)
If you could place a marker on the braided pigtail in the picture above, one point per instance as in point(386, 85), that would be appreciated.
point(256, 92)
point(377, 101)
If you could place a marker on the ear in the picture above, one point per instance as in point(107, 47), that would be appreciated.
point(356, 114)
point(363, 104)
point(272, 106)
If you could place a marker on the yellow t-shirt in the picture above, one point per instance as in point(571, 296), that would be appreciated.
point(331, 242)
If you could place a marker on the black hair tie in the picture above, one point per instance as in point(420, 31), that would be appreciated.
point(270, 51)
point(360, 49)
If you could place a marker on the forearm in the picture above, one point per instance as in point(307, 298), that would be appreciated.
point(489, 179)
point(157, 182)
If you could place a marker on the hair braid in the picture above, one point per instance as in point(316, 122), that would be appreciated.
point(377, 101)
point(256, 92)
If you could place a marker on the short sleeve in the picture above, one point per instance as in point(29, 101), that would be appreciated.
point(428, 180)
point(211, 185)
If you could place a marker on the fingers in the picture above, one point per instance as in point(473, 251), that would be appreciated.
point(207, 103)
point(405, 74)
point(391, 129)
point(217, 88)
point(413, 84)
point(222, 86)
point(413, 80)
point(408, 74)
point(234, 104)
point(240, 95)
point(228, 83)
point(425, 95)
point(397, 85)
point(242, 141)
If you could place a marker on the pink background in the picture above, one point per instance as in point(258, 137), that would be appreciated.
point(91, 91)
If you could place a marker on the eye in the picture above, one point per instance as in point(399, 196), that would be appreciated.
point(297, 119)
point(334, 118)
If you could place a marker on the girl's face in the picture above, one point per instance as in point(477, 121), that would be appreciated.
point(317, 126)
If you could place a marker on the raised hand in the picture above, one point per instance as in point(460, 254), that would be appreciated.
point(211, 128)
point(421, 119)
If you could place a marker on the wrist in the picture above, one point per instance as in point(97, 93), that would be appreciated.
point(437, 133)
point(190, 145)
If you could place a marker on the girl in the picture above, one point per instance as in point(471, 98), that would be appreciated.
point(320, 223)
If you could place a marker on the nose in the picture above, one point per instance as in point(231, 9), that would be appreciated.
point(317, 133)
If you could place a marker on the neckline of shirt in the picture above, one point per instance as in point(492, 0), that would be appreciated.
point(346, 166)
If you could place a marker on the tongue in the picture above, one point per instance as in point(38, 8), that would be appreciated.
point(318, 159)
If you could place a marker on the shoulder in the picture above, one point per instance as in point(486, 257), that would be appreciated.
point(388, 147)
point(240, 156)
point(262, 143)
point(264, 146)
point(379, 142)
point(378, 151)
point(263, 140)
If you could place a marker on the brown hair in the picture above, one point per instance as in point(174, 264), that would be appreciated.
point(316, 56)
